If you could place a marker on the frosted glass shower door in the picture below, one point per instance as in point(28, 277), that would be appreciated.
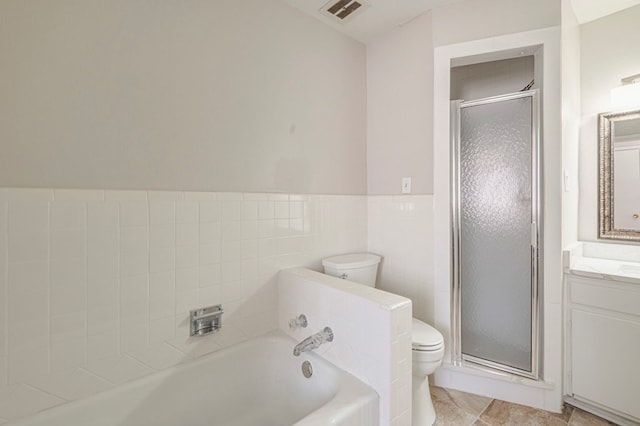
point(496, 247)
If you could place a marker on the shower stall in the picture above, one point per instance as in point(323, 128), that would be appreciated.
point(496, 232)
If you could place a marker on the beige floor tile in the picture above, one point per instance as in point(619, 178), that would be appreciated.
point(582, 418)
point(457, 408)
point(450, 415)
point(500, 413)
point(472, 404)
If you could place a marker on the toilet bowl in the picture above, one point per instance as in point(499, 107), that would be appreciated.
point(427, 350)
point(427, 342)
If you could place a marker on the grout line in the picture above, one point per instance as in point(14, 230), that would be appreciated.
point(86, 281)
point(90, 372)
point(474, 420)
point(29, 385)
point(174, 314)
point(573, 411)
point(483, 410)
point(119, 289)
point(487, 406)
point(181, 350)
point(148, 206)
point(49, 242)
point(5, 295)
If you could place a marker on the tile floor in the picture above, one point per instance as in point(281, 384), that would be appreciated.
point(464, 409)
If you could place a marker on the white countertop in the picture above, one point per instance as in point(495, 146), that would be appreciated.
point(614, 262)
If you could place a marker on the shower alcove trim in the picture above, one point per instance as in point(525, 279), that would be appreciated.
point(545, 45)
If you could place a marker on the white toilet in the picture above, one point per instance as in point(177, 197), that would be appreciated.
point(428, 343)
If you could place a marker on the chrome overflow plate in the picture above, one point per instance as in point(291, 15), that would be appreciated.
point(307, 369)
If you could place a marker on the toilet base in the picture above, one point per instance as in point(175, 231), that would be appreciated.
point(422, 411)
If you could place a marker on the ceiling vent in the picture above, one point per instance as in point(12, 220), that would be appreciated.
point(343, 10)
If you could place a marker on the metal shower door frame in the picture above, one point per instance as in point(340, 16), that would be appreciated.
point(458, 358)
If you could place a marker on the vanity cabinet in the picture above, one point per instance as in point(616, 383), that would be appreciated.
point(603, 344)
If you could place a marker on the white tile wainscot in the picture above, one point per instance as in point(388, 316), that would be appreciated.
point(372, 333)
point(401, 230)
point(96, 285)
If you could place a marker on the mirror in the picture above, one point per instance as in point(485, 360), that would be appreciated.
point(619, 175)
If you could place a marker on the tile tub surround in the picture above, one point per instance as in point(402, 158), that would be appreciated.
point(96, 286)
point(372, 333)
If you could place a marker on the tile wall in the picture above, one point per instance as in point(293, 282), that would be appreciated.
point(372, 333)
point(96, 286)
point(401, 230)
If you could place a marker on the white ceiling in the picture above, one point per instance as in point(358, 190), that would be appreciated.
point(589, 10)
point(380, 17)
point(384, 15)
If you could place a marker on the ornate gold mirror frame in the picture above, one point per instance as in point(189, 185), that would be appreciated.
point(606, 183)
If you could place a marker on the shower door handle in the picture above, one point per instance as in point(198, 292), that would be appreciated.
point(534, 235)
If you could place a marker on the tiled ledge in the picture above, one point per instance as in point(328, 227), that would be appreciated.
point(96, 285)
point(372, 332)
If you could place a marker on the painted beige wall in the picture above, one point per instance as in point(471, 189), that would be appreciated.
point(400, 109)
point(570, 45)
point(478, 19)
point(608, 53)
point(223, 95)
point(399, 88)
point(401, 139)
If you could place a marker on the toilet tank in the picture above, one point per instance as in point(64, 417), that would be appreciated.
point(358, 267)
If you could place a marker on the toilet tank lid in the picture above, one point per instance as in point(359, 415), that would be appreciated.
point(422, 334)
point(351, 261)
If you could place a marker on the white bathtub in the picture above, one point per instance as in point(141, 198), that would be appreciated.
point(255, 383)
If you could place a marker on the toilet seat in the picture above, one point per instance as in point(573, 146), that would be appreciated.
point(425, 338)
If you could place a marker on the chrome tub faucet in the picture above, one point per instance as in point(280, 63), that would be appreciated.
point(314, 341)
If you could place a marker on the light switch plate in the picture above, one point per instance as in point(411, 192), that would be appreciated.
point(406, 185)
point(567, 182)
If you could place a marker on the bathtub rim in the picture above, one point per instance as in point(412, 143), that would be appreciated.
point(351, 391)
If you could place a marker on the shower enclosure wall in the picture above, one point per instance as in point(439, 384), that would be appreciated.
point(496, 235)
